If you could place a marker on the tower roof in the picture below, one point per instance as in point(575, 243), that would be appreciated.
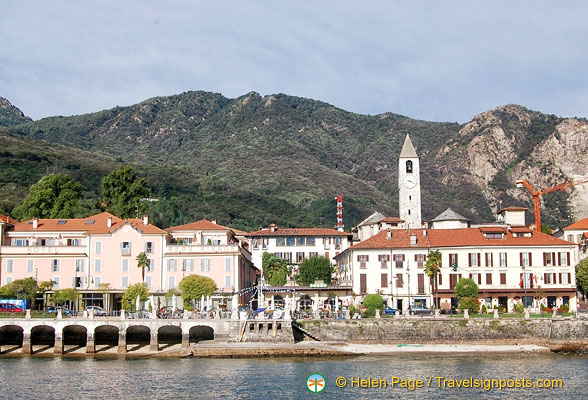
point(408, 150)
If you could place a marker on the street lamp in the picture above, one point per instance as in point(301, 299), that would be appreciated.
point(408, 273)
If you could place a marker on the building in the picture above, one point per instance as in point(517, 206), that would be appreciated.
point(212, 250)
point(509, 264)
point(296, 244)
point(409, 186)
point(373, 224)
point(577, 233)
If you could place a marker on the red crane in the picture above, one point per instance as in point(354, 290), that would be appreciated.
point(537, 195)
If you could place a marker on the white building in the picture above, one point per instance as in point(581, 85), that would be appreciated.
point(577, 233)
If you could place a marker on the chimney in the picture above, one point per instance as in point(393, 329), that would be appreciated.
point(35, 223)
point(389, 234)
point(214, 221)
point(272, 227)
point(413, 240)
point(145, 219)
point(108, 222)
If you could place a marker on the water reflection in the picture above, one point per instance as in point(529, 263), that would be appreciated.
point(81, 378)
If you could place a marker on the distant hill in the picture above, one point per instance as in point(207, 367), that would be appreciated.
point(255, 160)
point(10, 115)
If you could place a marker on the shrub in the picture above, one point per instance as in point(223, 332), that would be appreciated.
point(467, 303)
point(373, 302)
point(484, 309)
point(519, 308)
point(564, 309)
point(500, 309)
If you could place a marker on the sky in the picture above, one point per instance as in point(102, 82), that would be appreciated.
point(432, 60)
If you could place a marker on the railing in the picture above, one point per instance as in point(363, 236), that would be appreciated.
point(209, 248)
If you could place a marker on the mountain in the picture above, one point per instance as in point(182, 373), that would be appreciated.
point(10, 115)
point(283, 159)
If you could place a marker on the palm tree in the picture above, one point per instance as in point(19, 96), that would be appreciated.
point(142, 262)
point(432, 268)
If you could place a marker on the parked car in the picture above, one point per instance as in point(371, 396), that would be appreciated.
point(7, 307)
point(419, 309)
point(98, 311)
point(64, 311)
point(390, 311)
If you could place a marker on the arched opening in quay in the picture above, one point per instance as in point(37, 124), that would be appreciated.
point(42, 338)
point(105, 337)
point(74, 337)
point(11, 337)
point(139, 336)
point(169, 335)
point(200, 333)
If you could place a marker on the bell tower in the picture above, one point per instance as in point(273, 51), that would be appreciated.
point(409, 186)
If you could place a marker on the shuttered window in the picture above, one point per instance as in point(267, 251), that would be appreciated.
point(362, 283)
point(384, 280)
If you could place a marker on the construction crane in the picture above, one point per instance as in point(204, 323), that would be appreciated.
point(537, 195)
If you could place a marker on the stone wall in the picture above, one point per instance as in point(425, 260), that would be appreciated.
point(446, 330)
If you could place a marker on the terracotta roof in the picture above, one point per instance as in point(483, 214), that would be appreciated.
point(521, 229)
point(202, 225)
point(581, 224)
point(437, 238)
point(492, 229)
point(392, 220)
point(513, 208)
point(98, 225)
point(239, 232)
point(300, 232)
point(7, 219)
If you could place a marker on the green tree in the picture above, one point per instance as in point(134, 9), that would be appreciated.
point(25, 289)
point(466, 288)
point(65, 295)
point(373, 302)
point(313, 268)
point(582, 276)
point(54, 196)
point(171, 292)
point(142, 262)
point(122, 191)
point(432, 268)
point(193, 287)
point(275, 269)
point(129, 298)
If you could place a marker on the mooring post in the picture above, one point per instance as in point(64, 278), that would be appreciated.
point(122, 342)
point(153, 344)
point(90, 344)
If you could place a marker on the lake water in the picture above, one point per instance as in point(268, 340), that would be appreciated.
point(283, 378)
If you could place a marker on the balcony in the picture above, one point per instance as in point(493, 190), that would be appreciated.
point(201, 249)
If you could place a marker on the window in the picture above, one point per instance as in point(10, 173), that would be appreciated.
point(79, 265)
point(97, 282)
point(125, 282)
point(383, 260)
point(76, 282)
point(288, 256)
point(290, 241)
point(148, 281)
point(502, 259)
point(55, 265)
point(384, 280)
point(409, 167)
point(489, 279)
point(45, 242)
point(299, 257)
point(149, 247)
point(227, 280)
point(493, 235)
point(476, 278)
point(98, 247)
point(503, 278)
point(525, 259)
point(264, 243)
point(300, 241)
point(453, 260)
point(362, 261)
point(489, 259)
point(310, 241)
point(30, 265)
point(9, 265)
point(526, 281)
point(548, 278)
point(420, 260)
point(19, 242)
point(362, 283)
point(125, 248)
point(205, 265)
point(453, 279)
point(548, 259)
point(255, 245)
point(227, 265)
point(564, 279)
point(399, 260)
point(399, 281)
point(125, 265)
point(97, 265)
point(565, 259)
point(188, 264)
point(56, 284)
point(280, 241)
point(74, 242)
point(9, 280)
point(337, 243)
point(474, 259)
point(172, 282)
point(171, 265)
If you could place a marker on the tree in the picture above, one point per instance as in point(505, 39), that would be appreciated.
point(313, 268)
point(275, 269)
point(142, 262)
point(432, 268)
point(129, 298)
point(193, 287)
point(122, 191)
point(582, 276)
point(65, 295)
point(25, 289)
point(54, 196)
point(466, 288)
point(373, 302)
point(171, 292)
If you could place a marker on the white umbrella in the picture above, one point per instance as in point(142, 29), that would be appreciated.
point(336, 304)
point(202, 303)
point(138, 303)
point(315, 303)
point(209, 303)
point(273, 303)
point(152, 304)
point(174, 302)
